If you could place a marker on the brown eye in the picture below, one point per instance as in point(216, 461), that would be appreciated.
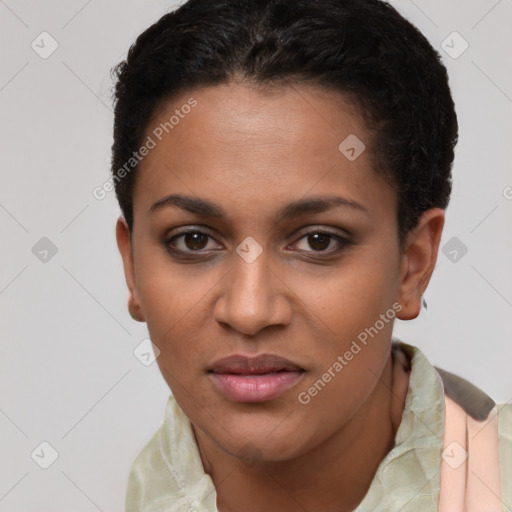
point(322, 243)
point(319, 241)
point(195, 240)
point(191, 244)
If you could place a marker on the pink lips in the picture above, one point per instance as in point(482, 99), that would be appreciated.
point(256, 379)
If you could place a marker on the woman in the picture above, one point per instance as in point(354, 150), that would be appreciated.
point(283, 168)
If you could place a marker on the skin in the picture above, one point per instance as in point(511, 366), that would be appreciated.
point(252, 151)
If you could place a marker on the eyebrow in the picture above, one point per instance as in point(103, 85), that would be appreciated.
point(205, 208)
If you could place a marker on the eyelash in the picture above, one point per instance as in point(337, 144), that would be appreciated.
point(178, 253)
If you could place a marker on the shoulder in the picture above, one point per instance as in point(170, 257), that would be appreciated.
point(482, 408)
point(148, 462)
point(472, 399)
point(168, 475)
point(505, 449)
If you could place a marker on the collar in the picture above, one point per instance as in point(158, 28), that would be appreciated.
point(407, 479)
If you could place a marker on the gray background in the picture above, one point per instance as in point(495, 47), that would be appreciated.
point(68, 375)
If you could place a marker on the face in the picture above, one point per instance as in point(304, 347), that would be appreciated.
point(274, 250)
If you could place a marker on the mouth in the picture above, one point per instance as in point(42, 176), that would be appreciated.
point(254, 379)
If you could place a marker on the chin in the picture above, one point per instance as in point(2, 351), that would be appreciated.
point(252, 444)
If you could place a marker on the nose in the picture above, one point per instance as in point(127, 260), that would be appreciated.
point(253, 297)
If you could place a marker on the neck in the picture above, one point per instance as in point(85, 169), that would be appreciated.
point(334, 476)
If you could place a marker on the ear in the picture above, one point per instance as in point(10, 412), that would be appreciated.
point(418, 261)
point(123, 237)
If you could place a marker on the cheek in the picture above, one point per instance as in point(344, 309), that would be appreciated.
point(173, 300)
point(352, 297)
point(174, 314)
point(167, 291)
point(351, 356)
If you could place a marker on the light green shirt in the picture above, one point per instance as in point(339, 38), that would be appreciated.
point(168, 474)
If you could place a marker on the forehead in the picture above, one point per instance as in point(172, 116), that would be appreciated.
point(258, 145)
point(245, 117)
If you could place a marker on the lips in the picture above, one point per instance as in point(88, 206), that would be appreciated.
point(257, 379)
point(264, 363)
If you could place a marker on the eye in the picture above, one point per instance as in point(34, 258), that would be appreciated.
point(194, 243)
point(321, 242)
point(191, 241)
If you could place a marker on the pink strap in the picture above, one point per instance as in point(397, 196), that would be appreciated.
point(470, 467)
